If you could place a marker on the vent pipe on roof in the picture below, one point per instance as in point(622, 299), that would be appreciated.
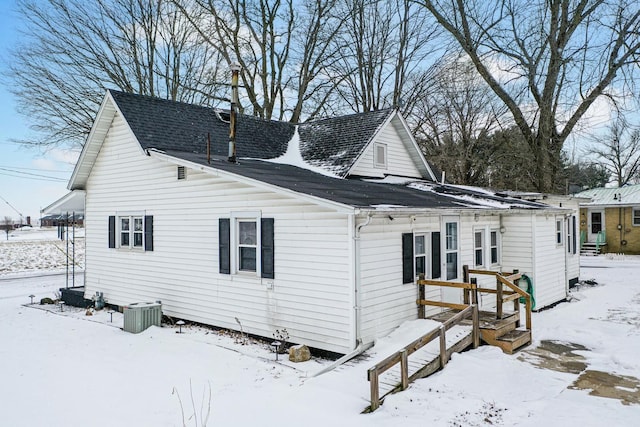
point(235, 71)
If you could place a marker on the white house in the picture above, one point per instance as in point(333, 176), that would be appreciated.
point(320, 228)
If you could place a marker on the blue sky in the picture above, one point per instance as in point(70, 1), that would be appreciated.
point(29, 178)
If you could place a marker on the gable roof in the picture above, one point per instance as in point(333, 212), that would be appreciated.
point(178, 133)
point(623, 196)
point(337, 143)
point(168, 125)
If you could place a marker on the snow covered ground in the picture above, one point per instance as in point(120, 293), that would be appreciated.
point(69, 369)
point(30, 250)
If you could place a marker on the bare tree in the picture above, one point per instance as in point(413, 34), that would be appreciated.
point(619, 151)
point(454, 119)
point(383, 50)
point(282, 46)
point(7, 225)
point(73, 50)
point(547, 60)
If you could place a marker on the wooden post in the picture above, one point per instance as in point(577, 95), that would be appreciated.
point(516, 302)
point(474, 291)
point(498, 298)
point(465, 279)
point(475, 317)
point(528, 313)
point(375, 392)
point(443, 346)
point(404, 369)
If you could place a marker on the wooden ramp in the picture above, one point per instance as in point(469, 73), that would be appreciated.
point(424, 361)
point(423, 356)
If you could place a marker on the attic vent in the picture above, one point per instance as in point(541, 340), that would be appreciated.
point(182, 172)
point(380, 155)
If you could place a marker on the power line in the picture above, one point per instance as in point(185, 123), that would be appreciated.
point(34, 169)
point(11, 172)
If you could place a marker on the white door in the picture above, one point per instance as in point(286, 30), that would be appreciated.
point(451, 268)
point(596, 224)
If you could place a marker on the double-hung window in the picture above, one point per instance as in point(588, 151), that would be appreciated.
point(420, 249)
point(451, 250)
point(247, 233)
point(133, 231)
point(246, 244)
point(636, 217)
point(493, 247)
point(478, 247)
point(559, 231)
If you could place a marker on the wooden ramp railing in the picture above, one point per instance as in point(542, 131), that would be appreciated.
point(402, 356)
point(513, 293)
point(497, 327)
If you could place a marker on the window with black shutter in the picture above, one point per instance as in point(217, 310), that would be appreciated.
point(407, 258)
point(112, 231)
point(224, 245)
point(267, 251)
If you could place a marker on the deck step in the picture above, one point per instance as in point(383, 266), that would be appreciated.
point(513, 340)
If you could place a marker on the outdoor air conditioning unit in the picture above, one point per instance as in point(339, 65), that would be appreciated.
point(140, 315)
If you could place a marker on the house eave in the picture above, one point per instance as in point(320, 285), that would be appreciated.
point(212, 170)
point(91, 148)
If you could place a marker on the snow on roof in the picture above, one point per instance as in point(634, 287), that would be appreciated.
point(293, 157)
point(474, 197)
point(623, 196)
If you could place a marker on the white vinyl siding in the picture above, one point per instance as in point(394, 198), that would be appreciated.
point(385, 301)
point(310, 296)
point(399, 162)
point(528, 245)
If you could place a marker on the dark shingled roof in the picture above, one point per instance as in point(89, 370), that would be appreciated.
point(180, 130)
point(168, 125)
point(353, 192)
point(332, 144)
point(337, 143)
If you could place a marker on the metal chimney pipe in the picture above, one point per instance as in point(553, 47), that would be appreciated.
point(235, 71)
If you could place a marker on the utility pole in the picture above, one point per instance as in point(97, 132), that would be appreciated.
point(12, 207)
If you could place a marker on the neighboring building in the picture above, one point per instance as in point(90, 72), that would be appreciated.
point(65, 211)
point(569, 227)
point(611, 217)
point(320, 228)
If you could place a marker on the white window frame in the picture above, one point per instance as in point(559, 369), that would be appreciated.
point(376, 158)
point(569, 233)
point(236, 245)
point(416, 254)
point(480, 248)
point(559, 231)
point(633, 217)
point(455, 249)
point(132, 217)
point(496, 246)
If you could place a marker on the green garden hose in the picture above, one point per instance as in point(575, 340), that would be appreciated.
point(529, 290)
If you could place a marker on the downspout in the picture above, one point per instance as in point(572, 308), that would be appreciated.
point(359, 346)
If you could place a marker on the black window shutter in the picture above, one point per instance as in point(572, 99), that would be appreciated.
point(112, 231)
point(435, 255)
point(267, 253)
point(573, 235)
point(224, 245)
point(148, 232)
point(407, 258)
